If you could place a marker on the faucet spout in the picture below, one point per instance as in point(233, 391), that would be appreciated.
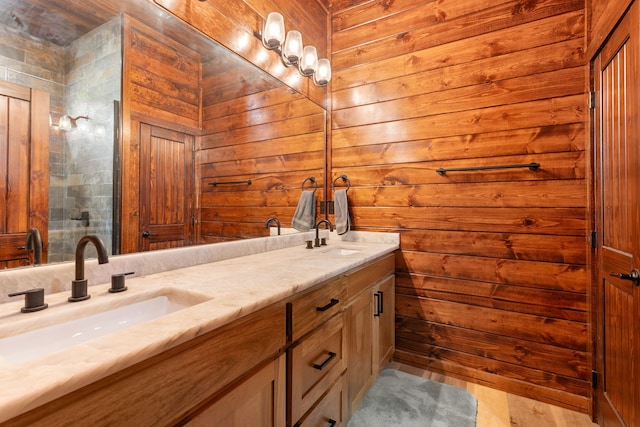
point(79, 285)
point(34, 243)
point(276, 220)
point(317, 227)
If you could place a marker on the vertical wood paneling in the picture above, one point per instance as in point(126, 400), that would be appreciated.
point(616, 193)
point(18, 153)
point(492, 275)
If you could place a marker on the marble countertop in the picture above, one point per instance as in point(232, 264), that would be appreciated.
point(221, 292)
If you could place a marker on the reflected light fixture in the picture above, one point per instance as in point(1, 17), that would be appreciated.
point(67, 123)
point(292, 50)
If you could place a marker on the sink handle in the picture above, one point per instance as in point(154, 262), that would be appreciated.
point(33, 300)
point(117, 282)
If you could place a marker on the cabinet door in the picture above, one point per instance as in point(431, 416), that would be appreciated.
point(361, 359)
point(259, 401)
point(384, 323)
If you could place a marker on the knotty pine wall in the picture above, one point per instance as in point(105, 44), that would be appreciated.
point(161, 86)
point(491, 275)
point(274, 138)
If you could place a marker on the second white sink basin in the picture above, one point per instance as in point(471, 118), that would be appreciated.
point(59, 336)
point(341, 251)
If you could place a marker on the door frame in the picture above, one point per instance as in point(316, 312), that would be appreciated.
point(595, 232)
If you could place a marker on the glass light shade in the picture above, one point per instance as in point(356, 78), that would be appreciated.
point(292, 50)
point(309, 62)
point(65, 123)
point(273, 31)
point(322, 75)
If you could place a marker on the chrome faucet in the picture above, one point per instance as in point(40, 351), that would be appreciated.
point(276, 220)
point(34, 243)
point(79, 286)
point(317, 227)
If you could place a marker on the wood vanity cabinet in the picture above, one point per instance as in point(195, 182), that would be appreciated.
point(370, 316)
point(172, 387)
point(305, 361)
point(316, 357)
point(342, 334)
point(258, 401)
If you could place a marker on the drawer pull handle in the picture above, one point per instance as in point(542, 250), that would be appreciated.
point(328, 306)
point(323, 364)
point(379, 303)
point(332, 423)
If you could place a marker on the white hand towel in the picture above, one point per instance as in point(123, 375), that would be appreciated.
point(305, 215)
point(341, 209)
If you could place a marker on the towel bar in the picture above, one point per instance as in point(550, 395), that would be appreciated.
point(248, 182)
point(532, 166)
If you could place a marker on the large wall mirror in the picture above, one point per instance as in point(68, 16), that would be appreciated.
point(73, 50)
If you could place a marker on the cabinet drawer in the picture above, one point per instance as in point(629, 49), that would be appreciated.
point(331, 410)
point(359, 280)
point(316, 362)
point(312, 309)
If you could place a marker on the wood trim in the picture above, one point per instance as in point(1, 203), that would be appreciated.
point(39, 180)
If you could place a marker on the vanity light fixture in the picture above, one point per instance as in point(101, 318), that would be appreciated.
point(292, 51)
point(67, 123)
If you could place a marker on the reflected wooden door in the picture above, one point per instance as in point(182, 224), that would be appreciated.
point(617, 163)
point(24, 171)
point(166, 188)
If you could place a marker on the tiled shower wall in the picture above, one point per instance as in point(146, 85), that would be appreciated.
point(83, 79)
point(93, 66)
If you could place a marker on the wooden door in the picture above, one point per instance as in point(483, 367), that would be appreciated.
point(166, 188)
point(617, 222)
point(24, 171)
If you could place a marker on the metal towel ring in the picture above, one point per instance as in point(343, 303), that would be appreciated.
point(344, 179)
point(313, 180)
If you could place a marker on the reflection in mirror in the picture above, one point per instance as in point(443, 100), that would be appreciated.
point(247, 129)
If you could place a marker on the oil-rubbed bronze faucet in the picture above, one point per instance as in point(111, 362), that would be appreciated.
point(79, 286)
point(317, 227)
point(276, 220)
point(34, 243)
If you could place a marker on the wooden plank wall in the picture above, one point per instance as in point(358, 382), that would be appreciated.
point(491, 276)
point(234, 23)
point(274, 138)
point(161, 82)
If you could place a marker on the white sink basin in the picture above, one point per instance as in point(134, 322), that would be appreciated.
point(40, 342)
point(341, 251)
